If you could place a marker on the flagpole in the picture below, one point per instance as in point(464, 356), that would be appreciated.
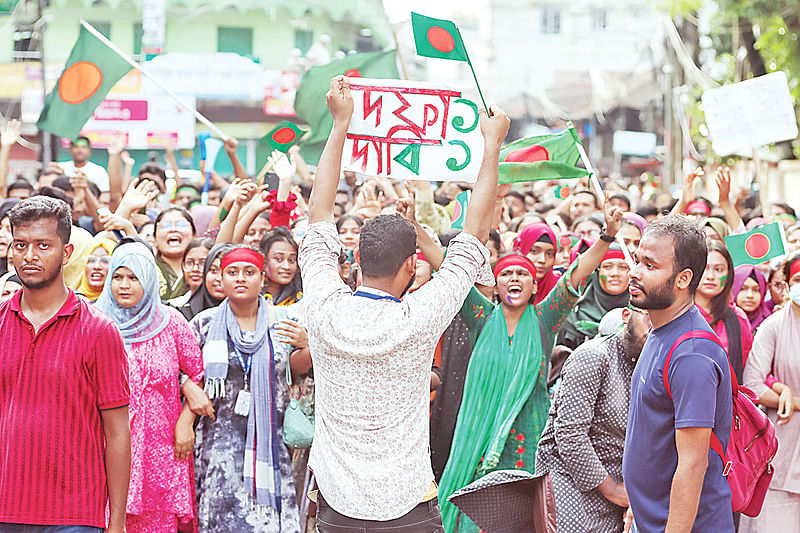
point(474, 76)
point(199, 116)
point(599, 189)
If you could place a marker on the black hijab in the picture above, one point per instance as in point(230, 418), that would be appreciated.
point(201, 299)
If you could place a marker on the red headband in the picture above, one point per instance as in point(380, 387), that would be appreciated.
point(514, 260)
point(246, 255)
point(794, 269)
point(697, 203)
point(614, 253)
point(421, 257)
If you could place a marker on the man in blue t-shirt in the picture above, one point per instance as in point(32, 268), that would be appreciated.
point(673, 479)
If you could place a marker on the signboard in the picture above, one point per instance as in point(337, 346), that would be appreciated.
point(634, 143)
point(210, 76)
point(148, 122)
point(154, 23)
point(749, 114)
point(413, 130)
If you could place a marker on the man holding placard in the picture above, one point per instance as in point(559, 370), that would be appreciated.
point(371, 446)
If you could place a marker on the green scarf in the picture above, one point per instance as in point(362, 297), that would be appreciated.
point(500, 378)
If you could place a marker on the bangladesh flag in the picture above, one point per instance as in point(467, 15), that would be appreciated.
point(91, 70)
point(460, 209)
point(758, 245)
point(309, 101)
point(283, 136)
point(438, 38)
point(546, 157)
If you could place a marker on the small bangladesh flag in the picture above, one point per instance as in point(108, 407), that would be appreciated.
point(546, 157)
point(91, 70)
point(758, 245)
point(438, 38)
point(460, 209)
point(283, 136)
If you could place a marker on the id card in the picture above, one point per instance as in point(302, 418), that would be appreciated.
point(242, 406)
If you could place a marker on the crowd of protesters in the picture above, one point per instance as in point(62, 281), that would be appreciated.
point(143, 327)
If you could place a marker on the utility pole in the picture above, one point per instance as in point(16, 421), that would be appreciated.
point(47, 138)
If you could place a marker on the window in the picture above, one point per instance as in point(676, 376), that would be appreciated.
point(102, 27)
point(303, 39)
point(236, 40)
point(599, 19)
point(138, 32)
point(551, 20)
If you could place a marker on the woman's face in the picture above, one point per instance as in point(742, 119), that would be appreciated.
point(349, 234)
point(192, 266)
point(715, 275)
point(9, 290)
point(257, 230)
point(631, 236)
point(543, 255)
point(515, 286)
point(97, 268)
point(281, 263)
point(241, 281)
point(749, 297)
point(126, 288)
point(214, 280)
point(613, 276)
point(173, 235)
point(777, 288)
point(5, 236)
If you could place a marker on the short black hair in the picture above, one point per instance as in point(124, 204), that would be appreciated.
point(39, 207)
point(63, 183)
point(19, 184)
point(156, 170)
point(54, 192)
point(516, 194)
point(590, 193)
point(786, 207)
point(386, 242)
point(647, 210)
point(688, 245)
point(621, 196)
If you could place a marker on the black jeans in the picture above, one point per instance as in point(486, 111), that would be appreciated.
point(424, 518)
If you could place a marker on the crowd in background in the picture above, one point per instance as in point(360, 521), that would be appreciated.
point(179, 277)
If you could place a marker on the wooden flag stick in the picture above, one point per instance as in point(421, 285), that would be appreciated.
point(474, 76)
point(596, 184)
point(111, 46)
point(263, 172)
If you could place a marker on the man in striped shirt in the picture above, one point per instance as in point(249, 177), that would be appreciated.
point(64, 433)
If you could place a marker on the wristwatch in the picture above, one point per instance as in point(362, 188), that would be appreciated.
point(606, 237)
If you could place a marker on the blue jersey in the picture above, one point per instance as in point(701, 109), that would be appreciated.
point(700, 382)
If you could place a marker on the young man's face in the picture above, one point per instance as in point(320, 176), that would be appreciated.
point(38, 253)
point(582, 204)
point(652, 280)
point(80, 152)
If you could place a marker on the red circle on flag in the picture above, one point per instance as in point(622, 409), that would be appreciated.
point(441, 39)
point(284, 135)
point(757, 245)
point(529, 154)
point(79, 82)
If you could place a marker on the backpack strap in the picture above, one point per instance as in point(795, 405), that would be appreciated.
point(714, 442)
point(734, 332)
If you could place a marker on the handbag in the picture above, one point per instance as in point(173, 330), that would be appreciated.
point(298, 427)
point(544, 506)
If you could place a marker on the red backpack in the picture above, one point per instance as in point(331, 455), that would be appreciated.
point(752, 446)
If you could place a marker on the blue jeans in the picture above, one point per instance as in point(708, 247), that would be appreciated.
point(26, 528)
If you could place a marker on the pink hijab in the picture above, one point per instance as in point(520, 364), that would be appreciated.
point(523, 244)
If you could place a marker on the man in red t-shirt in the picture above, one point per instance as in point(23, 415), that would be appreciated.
point(64, 431)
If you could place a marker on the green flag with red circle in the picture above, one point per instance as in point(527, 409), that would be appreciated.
point(545, 157)
point(758, 245)
point(460, 209)
point(437, 38)
point(283, 136)
point(91, 71)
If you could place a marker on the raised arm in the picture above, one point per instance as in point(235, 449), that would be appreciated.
point(688, 192)
point(326, 181)
point(480, 213)
point(9, 134)
point(724, 185)
point(590, 260)
point(406, 207)
point(115, 181)
point(231, 146)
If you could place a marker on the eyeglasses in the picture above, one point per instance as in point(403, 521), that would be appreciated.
point(180, 225)
point(191, 264)
point(104, 260)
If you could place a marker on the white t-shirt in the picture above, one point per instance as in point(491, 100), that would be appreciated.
point(94, 172)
